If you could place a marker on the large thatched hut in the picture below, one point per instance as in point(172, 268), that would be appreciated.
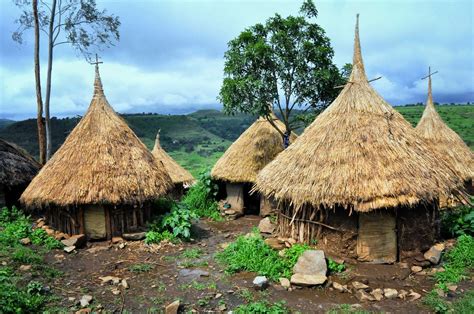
point(237, 169)
point(445, 141)
point(181, 177)
point(101, 181)
point(358, 180)
point(17, 169)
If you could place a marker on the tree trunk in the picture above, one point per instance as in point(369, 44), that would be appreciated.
point(39, 98)
point(48, 81)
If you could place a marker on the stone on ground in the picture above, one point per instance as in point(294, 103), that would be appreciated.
point(311, 262)
point(266, 226)
point(377, 293)
point(25, 241)
point(260, 283)
point(361, 295)
point(390, 293)
point(137, 236)
point(85, 300)
point(124, 284)
point(339, 287)
point(414, 295)
point(307, 280)
point(285, 283)
point(69, 249)
point(416, 269)
point(434, 253)
point(110, 279)
point(275, 243)
point(25, 267)
point(359, 285)
point(77, 240)
point(116, 240)
point(172, 308)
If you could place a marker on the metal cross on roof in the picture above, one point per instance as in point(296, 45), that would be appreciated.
point(429, 73)
point(97, 62)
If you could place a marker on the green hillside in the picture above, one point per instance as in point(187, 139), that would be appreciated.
point(197, 140)
point(5, 122)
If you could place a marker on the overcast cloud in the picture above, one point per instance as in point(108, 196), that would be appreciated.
point(170, 56)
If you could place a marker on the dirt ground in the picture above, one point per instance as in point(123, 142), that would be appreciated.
point(161, 274)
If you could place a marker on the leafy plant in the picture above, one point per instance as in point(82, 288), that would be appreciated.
point(191, 253)
point(40, 237)
point(262, 307)
point(435, 302)
point(140, 268)
point(335, 267)
point(458, 221)
point(158, 236)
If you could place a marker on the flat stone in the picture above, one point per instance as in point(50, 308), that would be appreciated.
point(193, 273)
point(230, 212)
point(361, 295)
point(275, 244)
point(25, 267)
point(110, 279)
point(137, 236)
point(377, 294)
point(86, 300)
point(402, 294)
point(25, 241)
point(69, 249)
point(260, 283)
point(60, 235)
point(414, 295)
point(307, 280)
point(359, 285)
point(433, 255)
point(124, 284)
point(390, 293)
point(285, 283)
point(311, 262)
point(172, 308)
point(266, 226)
point(339, 287)
point(116, 240)
point(77, 240)
point(49, 231)
point(416, 269)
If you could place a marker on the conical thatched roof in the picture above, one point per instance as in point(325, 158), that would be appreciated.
point(101, 161)
point(254, 149)
point(177, 173)
point(359, 153)
point(17, 167)
point(433, 129)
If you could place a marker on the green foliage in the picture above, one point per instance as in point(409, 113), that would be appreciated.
point(25, 255)
point(435, 302)
point(191, 253)
point(458, 221)
point(346, 309)
point(40, 237)
point(251, 253)
point(335, 267)
point(262, 307)
point(140, 268)
point(465, 304)
point(201, 197)
point(158, 236)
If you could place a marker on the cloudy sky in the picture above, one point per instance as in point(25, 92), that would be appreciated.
point(170, 56)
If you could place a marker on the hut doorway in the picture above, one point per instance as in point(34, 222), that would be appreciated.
point(377, 239)
point(235, 196)
point(94, 222)
point(251, 201)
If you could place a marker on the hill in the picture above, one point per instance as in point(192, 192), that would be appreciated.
point(5, 122)
point(198, 139)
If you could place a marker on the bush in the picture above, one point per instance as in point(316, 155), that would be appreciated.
point(262, 307)
point(335, 267)
point(201, 197)
point(458, 221)
point(40, 237)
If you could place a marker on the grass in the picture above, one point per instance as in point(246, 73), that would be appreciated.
point(191, 253)
point(199, 286)
point(346, 309)
point(140, 268)
point(262, 307)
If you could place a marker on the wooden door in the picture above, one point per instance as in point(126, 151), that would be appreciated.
point(94, 222)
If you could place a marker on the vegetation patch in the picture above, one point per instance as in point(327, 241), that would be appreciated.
point(140, 268)
point(262, 307)
point(458, 221)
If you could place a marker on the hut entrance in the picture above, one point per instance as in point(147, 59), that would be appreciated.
point(94, 222)
point(251, 201)
point(235, 196)
point(377, 240)
point(3, 201)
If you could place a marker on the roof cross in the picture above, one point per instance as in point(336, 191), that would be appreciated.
point(429, 73)
point(97, 62)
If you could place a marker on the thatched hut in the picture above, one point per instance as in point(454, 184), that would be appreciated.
point(180, 177)
point(237, 169)
point(101, 181)
point(17, 169)
point(358, 180)
point(445, 141)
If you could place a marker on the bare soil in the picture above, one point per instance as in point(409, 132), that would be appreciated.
point(169, 276)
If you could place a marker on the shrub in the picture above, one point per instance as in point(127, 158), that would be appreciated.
point(458, 221)
point(335, 267)
point(40, 237)
point(262, 307)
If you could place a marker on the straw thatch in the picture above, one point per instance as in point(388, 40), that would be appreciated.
point(178, 174)
point(101, 162)
point(17, 167)
point(359, 154)
point(254, 149)
point(443, 139)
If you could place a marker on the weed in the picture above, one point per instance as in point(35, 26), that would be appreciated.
point(199, 286)
point(25, 255)
point(262, 307)
point(40, 237)
point(247, 295)
point(346, 309)
point(203, 302)
point(140, 268)
point(465, 304)
point(435, 302)
point(191, 253)
point(335, 267)
point(458, 221)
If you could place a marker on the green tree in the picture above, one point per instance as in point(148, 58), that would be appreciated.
point(76, 22)
point(285, 63)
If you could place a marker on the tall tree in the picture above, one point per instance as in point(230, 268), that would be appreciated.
point(286, 63)
point(76, 22)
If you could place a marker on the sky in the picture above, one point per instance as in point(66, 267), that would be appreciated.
point(170, 55)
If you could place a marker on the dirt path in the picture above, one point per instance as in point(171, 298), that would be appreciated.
point(160, 275)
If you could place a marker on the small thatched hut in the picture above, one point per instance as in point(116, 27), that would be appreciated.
point(101, 181)
point(445, 141)
point(358, 179)
point(17, 169)
point(238, 167)
point(181, 177)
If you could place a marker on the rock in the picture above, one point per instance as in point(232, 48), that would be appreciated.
point(452, 288)
point(361, 295)
point(116, 240)
point(230, 212)
point(224, 245)
point(218, 295)
point(285, 283)
point(83, 311)
point(223, 307)
point(24, 267)
point(359, 285)
point(260, 283)
point(275, 244)
point(172, 308)
point(339, 287)
point(115, 291)
point(85, 300)
point(377, 293)
point(25, 241)
point(403, 265)
point(390, 293)
point(59, 236)
point(107, 279)
point(137, 236)
point(69, 249)
point(122, 245)
point(77, 240)
point(416, 269)
point(40, 224)
point(193, 273)
point(71, 299)
point(307, 280)
point(124, 284)
point(311, 262)
point(49, 231)
point(402, 294)
point(434, 253)
point(266, 226)
point(414, 295)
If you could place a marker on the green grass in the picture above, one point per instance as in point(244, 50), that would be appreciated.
point(191, 253)
point(262, 307)
point(140, 268)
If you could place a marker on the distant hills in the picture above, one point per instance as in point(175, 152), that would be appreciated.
point(198, 139)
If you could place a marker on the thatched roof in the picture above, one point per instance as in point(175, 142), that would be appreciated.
point(178, 174)
point(17, 167)
point(101, 162)
point(359, 153)
point(255, 148)
point(442, 138)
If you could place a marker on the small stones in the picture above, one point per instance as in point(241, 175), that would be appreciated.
point(77, 240)
point(218, 295)
point(275, 243)
point(416, 269)
point(69, 249)
point(434, 253)
point(25, 267)
point(452, 288)
point(390, 293)
point(124, 284)
point(172, 308)
point(285, 283)
point(339, 287)
point(359, 285)
point(25, 241)
point(414, 295)
point(361, 295)
point(377, 294)
point(402, 294)
point(115, 291)
point(110, 279)
point(260, 283)
point(307, 280)
point(116, 240)
point(85, 300)
point(266, 226)
point(137, 236)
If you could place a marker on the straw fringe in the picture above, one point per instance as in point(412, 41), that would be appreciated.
point(17, 167)
point(359, 153)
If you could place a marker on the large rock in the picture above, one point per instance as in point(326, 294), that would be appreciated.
point(266, 226)
point(134, 236)
point(308, 280)
point(77, 240)
point(172, 308)
point(311, 262)
point(260, 283)
point(390, 293)
point(434, 253)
